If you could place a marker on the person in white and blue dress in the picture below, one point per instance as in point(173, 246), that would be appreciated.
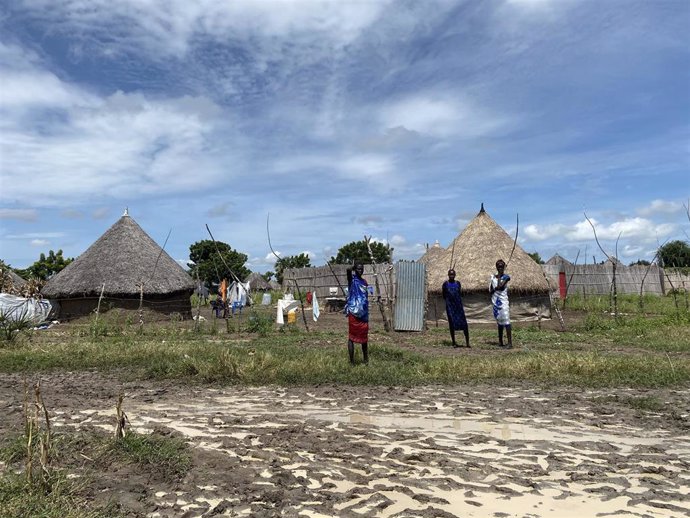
point(500, 304)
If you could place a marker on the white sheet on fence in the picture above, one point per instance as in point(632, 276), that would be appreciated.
point(315, 308)
point(19, 308)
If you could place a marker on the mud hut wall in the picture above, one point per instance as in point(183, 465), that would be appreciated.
point(596, 279)
point(70, 308)
point(478, 310)
point(320, 280)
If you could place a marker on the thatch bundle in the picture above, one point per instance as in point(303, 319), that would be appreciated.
point(123, 258)
point(474, 253)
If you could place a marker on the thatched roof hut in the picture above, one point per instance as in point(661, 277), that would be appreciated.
point(558, 260)
point(10, 281)
point(118, 263)
point(473, 255)
point(257, 282)
point(432, 253)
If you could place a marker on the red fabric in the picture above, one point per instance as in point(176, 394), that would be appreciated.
point(358, 331)
point(309, 297)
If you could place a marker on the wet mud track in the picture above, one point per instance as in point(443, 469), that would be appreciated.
point(390, 452)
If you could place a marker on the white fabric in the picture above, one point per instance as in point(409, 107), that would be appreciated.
point(19, 308)
point(500, 304)
point(285, 305)
point(316, 312)
point(238, 294)
point(266, 299)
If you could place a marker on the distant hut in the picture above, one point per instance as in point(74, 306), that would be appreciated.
point(118, 263)
point(257, 282)
point(557, 260)
point(10, 282)
point(432, 253)
point(473, 256)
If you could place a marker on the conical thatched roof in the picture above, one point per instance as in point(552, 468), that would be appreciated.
point(558, 260)
point(474, 254)
point(432, 253)
point(10, 280)
point(257, 282)
point(121, 258)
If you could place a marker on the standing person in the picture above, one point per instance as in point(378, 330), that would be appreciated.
point(357, 311)
point(499, 300)
point(454, 308)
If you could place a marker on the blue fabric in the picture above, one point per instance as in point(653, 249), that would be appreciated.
point(357, 301)
point(454, 307)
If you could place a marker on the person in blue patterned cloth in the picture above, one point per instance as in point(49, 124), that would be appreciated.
point(500, 305)
point(454, 309)
point(357, 311)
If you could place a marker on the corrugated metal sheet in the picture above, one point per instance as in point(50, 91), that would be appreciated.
point(410, 292)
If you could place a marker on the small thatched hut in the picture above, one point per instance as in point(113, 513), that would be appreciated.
point(473, 254)
point(432, 253)
point(118, 263)
point(257, 282)
point(558, 260)
point(10, 282)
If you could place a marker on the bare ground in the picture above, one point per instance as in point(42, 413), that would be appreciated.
point(378, 451)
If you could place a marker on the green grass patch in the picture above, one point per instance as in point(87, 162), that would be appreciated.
point(636, 349)
point(166, 455)
point(20, 499)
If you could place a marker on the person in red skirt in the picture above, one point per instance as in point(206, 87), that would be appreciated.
point(357, 311)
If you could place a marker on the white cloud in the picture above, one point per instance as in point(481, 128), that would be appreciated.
point(441, 116)
point(638, 229)
point(19, 214)
point(660, 207)
point(37, 235)
point(167, 27)
point(39, 242)
point(122, 145)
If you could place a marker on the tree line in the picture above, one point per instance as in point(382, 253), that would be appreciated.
point(213, 261)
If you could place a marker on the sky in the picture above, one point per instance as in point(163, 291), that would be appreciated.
point(336, 120)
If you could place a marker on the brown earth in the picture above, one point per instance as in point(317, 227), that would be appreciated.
point(377, 451)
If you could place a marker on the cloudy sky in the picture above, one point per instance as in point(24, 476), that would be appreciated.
point(394, 119)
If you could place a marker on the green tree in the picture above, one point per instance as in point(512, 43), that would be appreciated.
point(291, 261)
point(675, 253)
point(640, 262)
point(268, 276)
point(537, 258)
point(46, 266)
point(209, 259)
point(357, 251)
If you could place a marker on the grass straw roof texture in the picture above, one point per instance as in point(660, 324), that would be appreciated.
point(121, 258)
point(432, 253)
point(257, 282)
point(558, 260)
point(9, 279)
point(477, 248)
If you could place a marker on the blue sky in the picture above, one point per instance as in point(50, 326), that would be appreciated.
point(343, 119)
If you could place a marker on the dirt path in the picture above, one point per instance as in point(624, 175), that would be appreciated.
point(390, 452)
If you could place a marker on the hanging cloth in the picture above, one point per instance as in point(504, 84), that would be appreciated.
point(315, 307)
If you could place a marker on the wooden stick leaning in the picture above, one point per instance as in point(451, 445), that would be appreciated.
point(386, 322)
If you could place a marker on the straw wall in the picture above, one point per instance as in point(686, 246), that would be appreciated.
point(320, 280)
point(596, 279)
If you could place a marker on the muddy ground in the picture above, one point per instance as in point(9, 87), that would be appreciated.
point(376, 451)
